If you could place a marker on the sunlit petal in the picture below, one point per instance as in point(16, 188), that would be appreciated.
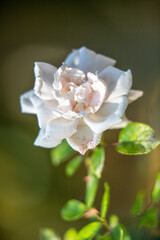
point(88, 61)
point(44, 74)
point(134, 95)
point(118, 82)
point(26, 103)
point(108, 115)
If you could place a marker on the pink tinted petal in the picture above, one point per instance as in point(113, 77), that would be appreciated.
point(65, 106)
point(26, 103)
point(134, 95)
point(108, 115)
point(67, 74)
point(44, 74)
point(99, 91)
point(84, 138)
point(118, 82)
point(87, 60)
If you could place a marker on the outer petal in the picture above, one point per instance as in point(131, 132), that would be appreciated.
point(44, 109)
point(26, 103)
point(109, 114)
point(45, 142)
point(55, 131)
point(119, 82)
point(99, 93)
point(134, 95)
point(124, 122)
point(44, 74)
point(84, 138)
point(88, 61)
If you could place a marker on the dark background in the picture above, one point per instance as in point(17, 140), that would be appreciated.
point(32, 191)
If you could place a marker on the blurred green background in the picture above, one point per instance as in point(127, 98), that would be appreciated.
point(32, 191)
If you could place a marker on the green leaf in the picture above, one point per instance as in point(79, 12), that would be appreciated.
point(73, 165)
point(126, 235)
point(91, 189)
point(137, 138)
point(70, 234)
point(97, 161)
point(149, 219)
point(61, 153)
point(105, 201)
point(118, 233)
point(48, 234)
point(156, 190)
point(138, 204)
point(89, 231)
point(73, 210)
point(113, 221)
point(106, 237)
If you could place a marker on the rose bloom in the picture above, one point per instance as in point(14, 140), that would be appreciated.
point(79, 100)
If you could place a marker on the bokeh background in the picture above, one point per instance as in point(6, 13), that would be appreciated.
point(32, 191)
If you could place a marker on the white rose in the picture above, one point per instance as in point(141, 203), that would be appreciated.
point(80, 100)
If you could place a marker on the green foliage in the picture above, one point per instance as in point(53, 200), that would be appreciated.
point(156, 190)
point(89, 231)
point(61, 153)
point(97, 161)
point(48, 234)
point(70, 234)
point(118, 233)
point(126, 235)
point(149, 219)
point(91, 189)
point(137, 138)
point(113, 221)
point(138, 204)
point(105, 201)
point(73, 165)
point(73, 210)
point(106, 237)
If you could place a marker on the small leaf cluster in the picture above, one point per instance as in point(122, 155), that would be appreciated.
point(100, 228)
point(147, 216)
point(64, 152)
point(136, 138)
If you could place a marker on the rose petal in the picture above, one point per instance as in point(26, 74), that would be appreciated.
point(100, 92)
point(43, 141)
point(124, 122)
point(44, 109)
point(88, 61)
point(118, 82)
point(84, 138)
point(134, 95)
point(70, 115)
point(108, 115)
point(55, 131)
point(26, 103)
point(44, 74)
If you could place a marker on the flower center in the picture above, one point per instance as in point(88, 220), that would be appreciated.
point(77, 92)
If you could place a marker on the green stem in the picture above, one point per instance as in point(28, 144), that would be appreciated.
point(104, 222)
point(133, 219)
point(109, 145)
